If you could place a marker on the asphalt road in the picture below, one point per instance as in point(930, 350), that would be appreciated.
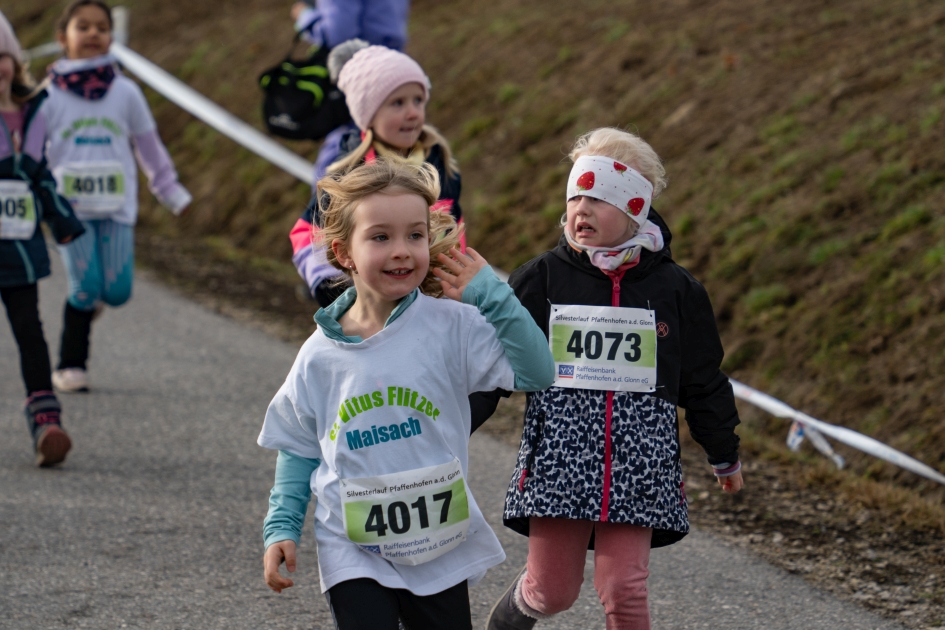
point(155, 519)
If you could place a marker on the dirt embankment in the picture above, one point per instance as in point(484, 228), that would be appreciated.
point(804, 142)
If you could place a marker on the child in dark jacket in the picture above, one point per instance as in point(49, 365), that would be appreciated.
point(387, 92)
point(27, 195)
point(633, 337)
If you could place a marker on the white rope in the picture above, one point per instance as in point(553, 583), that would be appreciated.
point(206, 110)
point(847, 436)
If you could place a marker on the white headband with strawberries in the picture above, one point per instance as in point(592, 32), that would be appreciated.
point(608, 180)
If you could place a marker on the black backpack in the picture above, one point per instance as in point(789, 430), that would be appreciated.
point(301, 102)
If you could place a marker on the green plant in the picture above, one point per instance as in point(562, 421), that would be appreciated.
point(909, 219)
point(930, 119)
point(832, 178)
point(507, 93)
point(825, 251)
point(763, 298)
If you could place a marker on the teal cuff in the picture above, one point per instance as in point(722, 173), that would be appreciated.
point(289, 498)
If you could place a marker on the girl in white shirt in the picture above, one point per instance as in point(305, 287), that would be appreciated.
point(374, 417)
point(98, 122)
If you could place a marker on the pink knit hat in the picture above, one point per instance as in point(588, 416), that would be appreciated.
point(371, 75)
point(9, 45)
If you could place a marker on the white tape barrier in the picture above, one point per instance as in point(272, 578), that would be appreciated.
point(812, 426)
point(206, 110)
point(46, 50)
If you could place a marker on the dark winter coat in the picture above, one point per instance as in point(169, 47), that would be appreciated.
point(564, 464)
point(26, 261)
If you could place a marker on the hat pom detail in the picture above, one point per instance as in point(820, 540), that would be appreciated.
point(341, 54)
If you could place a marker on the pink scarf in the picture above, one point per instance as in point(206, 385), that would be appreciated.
point(648, 237)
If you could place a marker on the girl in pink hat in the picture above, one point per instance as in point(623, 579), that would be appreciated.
point(387, 93)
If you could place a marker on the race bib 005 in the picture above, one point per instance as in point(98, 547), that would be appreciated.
point(93, 188)
point(17, 210)
point(407, 518)
point(603, 347)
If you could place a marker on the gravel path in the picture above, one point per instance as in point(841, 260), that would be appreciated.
point(154, 521)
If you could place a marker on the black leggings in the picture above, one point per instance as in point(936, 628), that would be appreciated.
point(22, 305)
point(363, 604)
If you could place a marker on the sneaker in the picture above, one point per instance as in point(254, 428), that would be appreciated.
point(71, 380)
point(506, 615)
point(50, 441)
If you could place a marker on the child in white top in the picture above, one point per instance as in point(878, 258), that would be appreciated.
point(98, 121)
point(374, 417)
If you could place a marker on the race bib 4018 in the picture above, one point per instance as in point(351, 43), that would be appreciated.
point(410, 517)
point(95, 188)
point(603, 347)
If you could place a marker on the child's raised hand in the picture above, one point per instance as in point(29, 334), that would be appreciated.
point(275, 554)
point(462, 269)
point(732, 483)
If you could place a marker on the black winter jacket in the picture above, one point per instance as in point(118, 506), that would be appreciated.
point(563, 466)
point(25, 261)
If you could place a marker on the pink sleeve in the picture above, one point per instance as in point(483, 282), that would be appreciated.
point(35, 142)
point(157, 166)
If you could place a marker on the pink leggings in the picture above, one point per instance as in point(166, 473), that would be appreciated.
point(557, 549)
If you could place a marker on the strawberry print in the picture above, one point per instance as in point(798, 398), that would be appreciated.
point(586, 181)
point(620, 168)
point(635, 205)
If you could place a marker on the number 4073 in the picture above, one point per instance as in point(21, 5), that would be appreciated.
point(593, 345)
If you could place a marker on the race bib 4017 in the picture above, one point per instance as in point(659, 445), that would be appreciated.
point(603, 347)
point(410, 517)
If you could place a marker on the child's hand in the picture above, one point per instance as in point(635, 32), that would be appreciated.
point(275, 554)
point(464, 268)
point(732, 483)
point(297, 9)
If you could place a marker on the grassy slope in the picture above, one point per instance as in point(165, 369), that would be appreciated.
point(803, 141)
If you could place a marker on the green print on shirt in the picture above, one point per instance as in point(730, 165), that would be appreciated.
point(82, 123)
point(396, 397)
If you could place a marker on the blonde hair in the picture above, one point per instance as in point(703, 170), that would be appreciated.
point(625, 147)
point(391, 177)
point(429, 137)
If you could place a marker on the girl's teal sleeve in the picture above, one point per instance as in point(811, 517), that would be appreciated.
point(289, 498)
point(525, 345)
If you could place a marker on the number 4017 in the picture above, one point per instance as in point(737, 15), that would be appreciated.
point(593, 345)
point(398, 514)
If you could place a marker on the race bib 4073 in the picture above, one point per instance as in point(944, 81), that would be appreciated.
point(603, 347)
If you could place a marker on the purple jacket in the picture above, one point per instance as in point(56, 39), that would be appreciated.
point(380, 22)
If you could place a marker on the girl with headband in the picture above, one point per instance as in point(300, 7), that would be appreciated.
point(633, 338)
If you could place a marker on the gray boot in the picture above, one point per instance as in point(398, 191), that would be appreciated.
point(506, 614)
